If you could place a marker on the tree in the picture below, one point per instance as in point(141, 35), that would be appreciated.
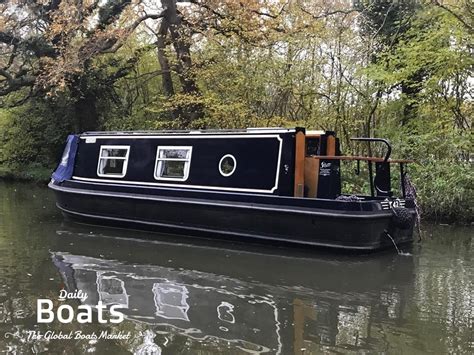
point(48, 48)
point(386, 23)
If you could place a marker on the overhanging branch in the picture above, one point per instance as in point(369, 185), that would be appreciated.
point(469, 27)
point(119, 43)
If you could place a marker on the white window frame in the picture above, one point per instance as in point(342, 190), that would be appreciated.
point(220, 165)
point(125, 158)
point(187, 162)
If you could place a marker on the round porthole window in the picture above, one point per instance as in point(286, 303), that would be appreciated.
point(227, 165)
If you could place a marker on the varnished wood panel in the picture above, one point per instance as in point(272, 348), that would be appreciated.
point(311, 176)
point(300, 148)
point(331, 146)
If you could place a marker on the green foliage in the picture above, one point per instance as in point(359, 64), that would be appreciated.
point(31, 140)
point(445, 189)
point(217, 114)
point(386, 19)
point(30, 172)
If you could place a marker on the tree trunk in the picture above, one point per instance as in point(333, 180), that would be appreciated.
point(187, 112)
point(85, 110)
point(410, 90)
point(167, 81)
point(181, 47)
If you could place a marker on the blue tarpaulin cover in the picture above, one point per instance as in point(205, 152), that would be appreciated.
point(66, 166)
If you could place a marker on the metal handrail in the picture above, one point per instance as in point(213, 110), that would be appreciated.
point(368, 139)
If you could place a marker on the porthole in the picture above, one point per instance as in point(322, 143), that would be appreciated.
point(227, 165)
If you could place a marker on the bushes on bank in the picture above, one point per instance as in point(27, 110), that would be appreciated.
point(445, 189)
point(31, 141)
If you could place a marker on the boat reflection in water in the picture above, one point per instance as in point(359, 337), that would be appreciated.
point(223, 299)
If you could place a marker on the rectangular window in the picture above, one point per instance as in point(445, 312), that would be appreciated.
point(172, 163)
point(113, 161)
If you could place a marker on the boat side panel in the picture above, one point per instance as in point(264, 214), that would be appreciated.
point(263, 162)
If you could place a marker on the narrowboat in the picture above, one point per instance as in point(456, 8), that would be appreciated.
point(269, 184)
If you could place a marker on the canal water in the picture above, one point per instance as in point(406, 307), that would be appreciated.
point(187, 296)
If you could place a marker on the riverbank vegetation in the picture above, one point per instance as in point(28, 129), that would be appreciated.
point(401, 70)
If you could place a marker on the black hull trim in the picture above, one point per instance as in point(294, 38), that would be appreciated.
point(349, 230)
point(183, 230)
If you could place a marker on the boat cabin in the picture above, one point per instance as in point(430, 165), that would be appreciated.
point(282, 162)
